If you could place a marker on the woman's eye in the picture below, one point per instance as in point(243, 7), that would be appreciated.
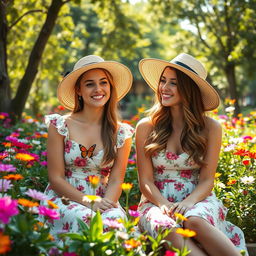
point(162, 81)
point(104, 82)
point(89, 84)
point(173, 84)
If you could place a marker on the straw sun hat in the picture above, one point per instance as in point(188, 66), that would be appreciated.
point(151, 70)
point(122, 78)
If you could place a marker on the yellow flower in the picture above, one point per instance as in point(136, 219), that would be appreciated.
point(185, 232)
point(94, 180)
point(24, 157)
point(131, 243)
point(126, 187)
point(52, 205)
point(91, 198)
point(217, 175)
point(180, 216)
point(50, 237)
point(5, 243)
point(2, 117)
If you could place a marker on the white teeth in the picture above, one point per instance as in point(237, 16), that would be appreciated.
point(98, 97)
point(166, 95)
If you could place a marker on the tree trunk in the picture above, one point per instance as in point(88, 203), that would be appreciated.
point(231, 77)
point(5, 91)
point(18, 103)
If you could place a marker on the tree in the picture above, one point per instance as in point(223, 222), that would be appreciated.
point(225, 29)
point(16, 105)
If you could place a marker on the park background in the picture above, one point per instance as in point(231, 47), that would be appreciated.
point(41, 40)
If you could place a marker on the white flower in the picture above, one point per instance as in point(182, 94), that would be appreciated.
point(37, 142)
point(247, 180)
point(221, 185)
point(229, 148)
point(229, 109)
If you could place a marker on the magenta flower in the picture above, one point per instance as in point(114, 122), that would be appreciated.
point(7, 168)
point(5, 185)
point(36, 194)
point(69, 254)
point(8, 208)
point(43, 163)
point(44, 153)
point(80, 162)
point(171, 156)
point(49, 213)
point(134, 214)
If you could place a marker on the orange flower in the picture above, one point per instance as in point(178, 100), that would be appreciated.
point(185, 232)
point(13, 177)
point(5, 243)
point(131, 243)
point(94, 180)
point(50, 237)
point(27, 203)
point(126, 187)
point(231, 182)
point(24, 157)
point(7, 144)
point(38, 224)
point(52, 205)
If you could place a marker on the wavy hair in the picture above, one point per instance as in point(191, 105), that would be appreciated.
point(193, 140)
point(109, 119)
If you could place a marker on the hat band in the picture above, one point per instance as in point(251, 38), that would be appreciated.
point(90, 63)
point(184, 66)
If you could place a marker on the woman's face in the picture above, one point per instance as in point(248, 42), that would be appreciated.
point(94, 88)
point(168, 88)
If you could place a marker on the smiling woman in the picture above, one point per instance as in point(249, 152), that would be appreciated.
point(86, 141)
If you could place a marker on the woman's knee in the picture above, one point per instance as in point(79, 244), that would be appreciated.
point(195, 223)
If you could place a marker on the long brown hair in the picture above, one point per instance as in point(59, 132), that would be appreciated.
point(193, 139)
point(109, 118)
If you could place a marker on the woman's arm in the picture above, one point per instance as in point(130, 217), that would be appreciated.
point(207, 173)
point(145, 167)
point(56, 168)
point(117, 174)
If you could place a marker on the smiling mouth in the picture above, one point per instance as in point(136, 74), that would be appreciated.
point(98, 97)
point(166, 96)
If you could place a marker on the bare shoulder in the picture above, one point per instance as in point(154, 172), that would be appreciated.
point(213, 126)
point(144, 124)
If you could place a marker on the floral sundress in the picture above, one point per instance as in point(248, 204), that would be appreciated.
point(176, 177)
point(77, 172)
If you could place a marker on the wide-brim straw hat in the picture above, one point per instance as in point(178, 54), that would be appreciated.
point(151, 70)
point(122, 78)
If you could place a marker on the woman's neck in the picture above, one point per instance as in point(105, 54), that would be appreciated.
point(177, 117)
point(92, 116)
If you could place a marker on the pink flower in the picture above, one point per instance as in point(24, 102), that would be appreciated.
point(210, 219)
point(160, 169)
point(80, 162)
point(235, 239)
point(43, 163)
point(159, 184)
point(105, 171)
point(186, 174)
point(8, 208)
point(49, 213)
point(69, 254)
point(169, 253)
point(221, 214)
point(171, 199)
point(37, 195)
point(112, 223)
point(68, 146)
point(80, 188)
point(5, 185)
point(171, 156)
point(7, 168)
point(134, 214)
point(179, 186)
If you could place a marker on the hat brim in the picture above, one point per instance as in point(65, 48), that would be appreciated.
point(151, 70)
point(122, 81)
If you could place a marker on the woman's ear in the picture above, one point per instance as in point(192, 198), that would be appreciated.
point(78, 91)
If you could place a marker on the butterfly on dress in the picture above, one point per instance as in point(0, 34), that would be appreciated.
point(87, 152)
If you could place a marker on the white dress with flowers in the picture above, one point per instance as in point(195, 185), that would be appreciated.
point(77, 172)
point(176, 177)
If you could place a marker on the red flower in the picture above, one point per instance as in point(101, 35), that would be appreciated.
point(80, 162)
point(169, 253)
point(235, 240)
point(133, 207)
point(246, 162)
point(221, 214)
point(186, 174)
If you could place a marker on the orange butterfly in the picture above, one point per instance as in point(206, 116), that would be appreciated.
point(87, 152)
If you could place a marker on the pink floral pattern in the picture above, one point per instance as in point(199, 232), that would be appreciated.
point(176, 177)
point(77, 171)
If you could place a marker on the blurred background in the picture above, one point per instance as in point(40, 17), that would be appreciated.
point(40, 40)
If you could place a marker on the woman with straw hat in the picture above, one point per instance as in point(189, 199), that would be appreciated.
point(177, 154)
point(88, 149)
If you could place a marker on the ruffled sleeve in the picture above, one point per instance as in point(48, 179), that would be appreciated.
point(57, 121)
point(125, 131)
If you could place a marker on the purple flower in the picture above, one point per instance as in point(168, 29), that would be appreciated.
point(112, 223)
point(54, 252)
point(47, 212)
point(69, 254)
point(7, 168)
point(134, 214)
point(5, 185)
point(36, 194)
point(8, 208)
point(44, 153)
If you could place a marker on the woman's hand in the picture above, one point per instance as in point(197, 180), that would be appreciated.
point(180, 207)
point(103, 204)
point(165, 208)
